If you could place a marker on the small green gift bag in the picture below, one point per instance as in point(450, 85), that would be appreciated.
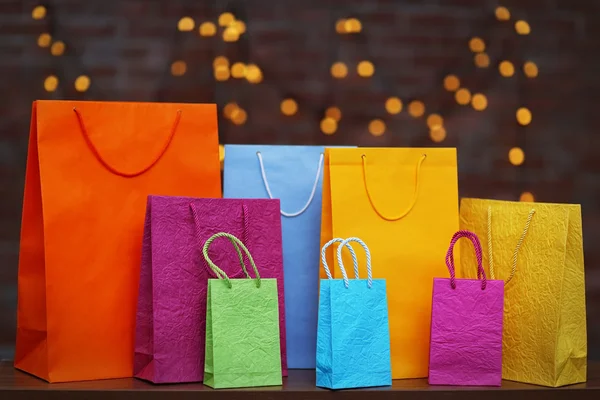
point(242, 326)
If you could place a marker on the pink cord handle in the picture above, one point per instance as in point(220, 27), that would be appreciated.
point(478, 253)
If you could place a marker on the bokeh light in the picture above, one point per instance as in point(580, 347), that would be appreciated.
point(229, 109)
point(231, 34)
point(365, 69)
point(333, 112)
point(289, 107)
point(226, 19)
point(328, 126)
point(82, 83)
point(527, 197)
point(39, 12)
point(238, 70)
point(524, 116)
point(50, 83)
point(186, 24)
point(207, 29)
point(339, 70)
point(221, 73)
point(437, 134)
point(393, 105)
point(522, 27)
point(435, 121)
point(530, 69)
point(253, 73)
point(416, 108)
point(58, 48)
point(463, 96)
point(352, 25)
point(239, 116)
point(451, 83)
point(516, 156)
point(477, 45)
point(178, 68)
point(376, 127)
point(44, 40)
point(482, 60)
point(502, 14)
point(479, 102)
point(507, 69)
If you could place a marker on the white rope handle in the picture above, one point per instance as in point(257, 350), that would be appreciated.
point(312, 193)
point(324, 260)
point(346, 243)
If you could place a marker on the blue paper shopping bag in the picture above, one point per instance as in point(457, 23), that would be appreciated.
point(353, 335)
point(292, 174)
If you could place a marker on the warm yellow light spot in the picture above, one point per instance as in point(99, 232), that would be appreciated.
point(229, 109)
point(253, 73)
point(231, 34)
point(340, 26)
point(365, 69)
point(333, 112)
point(435, 121)
point(377, 127)
point(328, 126)
point(437, 134)
point(207, 29)
point(50, 83)
point(507, 69)
point(226, 19)
point(82, 83)
point(238, 70)
point(479, 102)
point(352, 25)
point(516, 156)
point(44, 40)
point(524, 116)
point(477, 45)
point(39, 12)
point(451, 83)
point(289, 107)
point(416, 108)
point(522, 27)
point(530, 69)
point(178, 68)
point(186, 24)
point(221, 153)
point(527, 197)
point(463, 96)
point(393, 105)
point(221, 73)
point(240, 26)
point(220, 61)
point(482, 60)
point(502, 14)
point(339, 70)
point(239, 117)
point(58, 48)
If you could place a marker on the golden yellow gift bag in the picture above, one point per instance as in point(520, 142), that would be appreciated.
point(403, 202)
point(537, 248)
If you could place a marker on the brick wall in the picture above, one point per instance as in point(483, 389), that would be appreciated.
point(127, 48)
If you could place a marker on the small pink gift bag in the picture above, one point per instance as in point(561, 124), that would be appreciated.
point(466, 326)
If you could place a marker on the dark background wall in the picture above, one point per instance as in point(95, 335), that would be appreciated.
point(127, 49)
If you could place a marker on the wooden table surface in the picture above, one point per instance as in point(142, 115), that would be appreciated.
point(299, 385)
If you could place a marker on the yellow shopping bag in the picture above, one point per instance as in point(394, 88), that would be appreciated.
point(538, 249)
point(404, 203)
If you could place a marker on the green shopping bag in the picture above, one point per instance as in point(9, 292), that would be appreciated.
point(242, 326)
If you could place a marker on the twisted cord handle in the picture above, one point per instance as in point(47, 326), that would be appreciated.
point(326, 267)
point(346, 243)
point(478, 254)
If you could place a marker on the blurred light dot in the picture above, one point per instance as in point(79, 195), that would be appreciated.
point(231, 34)
point(530, 69)
point(437, 134)
point(477, 45)
point(226, 19)
point(50, 83)
point(186, 24)
point(507, 69)
point(240, 26)
point(451, 83)
point(178, 68)
point(393, 105)
point(333, 112)
point(365, 69)
point(516, 156)
point(463, 96)
point(82, 83)
point(482, 60)
point(58, 48)
point(339, 70)
point(416, 108)
point(502, 14)
point(340, 26)
point(253, 73)
point(238, 70)
point(522, 27)
point(527, 197)
point(239, 117)
point(435, 121)
point(221, 73)
point(353, 25)
point(377, 127)
point(328, 126)
point(289, 107)
point(207, 29)
point(221, 153)
point(39, 12)
point(523, 116)
point(479, 102)
point(229, 109)
point(44, 40)
point(220, 61)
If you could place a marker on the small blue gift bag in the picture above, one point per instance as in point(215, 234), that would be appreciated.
point(353, 335)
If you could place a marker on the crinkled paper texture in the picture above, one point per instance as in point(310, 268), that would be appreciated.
point(353, 337)
point(466, 333)
point(545, 341)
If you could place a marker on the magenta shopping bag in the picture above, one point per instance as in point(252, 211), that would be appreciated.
point(466, 326)
point(171, 316)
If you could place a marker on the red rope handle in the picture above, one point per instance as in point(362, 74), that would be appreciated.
point(111, 168)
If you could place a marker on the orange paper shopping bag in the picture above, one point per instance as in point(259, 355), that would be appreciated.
point(404, 203)
point(90, 167)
